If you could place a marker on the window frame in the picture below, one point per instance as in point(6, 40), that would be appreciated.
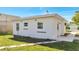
point(25, 24)
point(17, 27)
point(40, 25)
point(58, 26)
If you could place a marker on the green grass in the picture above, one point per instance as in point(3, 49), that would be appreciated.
point(6, 40)
point(64, 46)
point(32, 48)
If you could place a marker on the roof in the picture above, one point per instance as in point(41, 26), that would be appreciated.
point(9, 15)
point(44, 16)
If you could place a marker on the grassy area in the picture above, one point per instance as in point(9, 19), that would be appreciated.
point(32, 48)
point(8, 40)
point(63, 46)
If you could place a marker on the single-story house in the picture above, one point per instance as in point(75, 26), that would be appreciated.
point(48, 26)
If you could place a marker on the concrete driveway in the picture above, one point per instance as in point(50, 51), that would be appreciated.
point(68, 38)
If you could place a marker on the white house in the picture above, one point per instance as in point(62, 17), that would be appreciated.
point(48, 26)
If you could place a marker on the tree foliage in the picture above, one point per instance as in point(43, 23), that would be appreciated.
point(75, 18)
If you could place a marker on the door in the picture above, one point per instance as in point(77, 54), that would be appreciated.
point(59, 29)
point(17, 26)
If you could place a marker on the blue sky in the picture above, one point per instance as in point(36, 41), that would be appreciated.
point(66, 12)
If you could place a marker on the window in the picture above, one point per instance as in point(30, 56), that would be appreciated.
point(25, 24)
point(17, 26)
point(57, 26)
point(40, 25)
point(78, 28)
point(65, 24)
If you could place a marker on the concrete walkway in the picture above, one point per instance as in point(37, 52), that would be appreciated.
point(75, 38)
point(68, 38)
point(30, 44)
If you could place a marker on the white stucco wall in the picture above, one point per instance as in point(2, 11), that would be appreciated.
point(50, 28)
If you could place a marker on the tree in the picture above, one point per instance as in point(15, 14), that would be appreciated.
point(75, 18)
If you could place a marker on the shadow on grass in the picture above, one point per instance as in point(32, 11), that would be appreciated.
point(30, 40)
point(67, 46)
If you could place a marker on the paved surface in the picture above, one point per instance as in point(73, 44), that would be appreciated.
point(76, 38)
point(68, 38)
point(30, 44)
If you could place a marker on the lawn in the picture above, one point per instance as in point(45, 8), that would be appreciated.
point(6, 40)
point(64, 46)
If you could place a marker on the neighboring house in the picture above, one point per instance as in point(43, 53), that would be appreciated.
point(6, 22)
point(74, 27)
point(48, 26)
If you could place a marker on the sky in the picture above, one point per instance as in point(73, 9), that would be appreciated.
point(66, 12)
